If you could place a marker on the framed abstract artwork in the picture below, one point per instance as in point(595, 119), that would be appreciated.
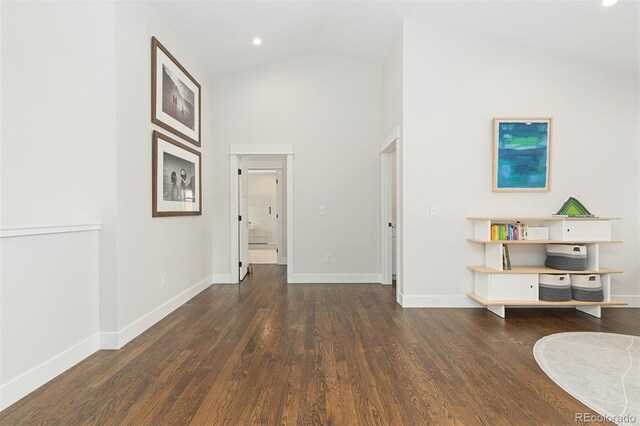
point(177, 177)
point(522, 154)
point(175, 95)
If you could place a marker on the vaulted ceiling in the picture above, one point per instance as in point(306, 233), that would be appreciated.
point(364, 30)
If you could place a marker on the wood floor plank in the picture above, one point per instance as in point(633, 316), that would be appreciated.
point(266, 352)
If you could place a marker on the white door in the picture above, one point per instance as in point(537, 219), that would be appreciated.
point(243, 220)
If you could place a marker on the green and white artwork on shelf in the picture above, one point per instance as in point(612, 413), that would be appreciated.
point(573, 208)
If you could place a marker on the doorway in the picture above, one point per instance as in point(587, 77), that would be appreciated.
point(261, 207)
point(264, 216)
point(391, 200)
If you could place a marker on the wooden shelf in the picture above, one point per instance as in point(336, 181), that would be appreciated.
point(539, 270)
point(474, 240)
point(518, 286)
point(540, 219)
point(486, 302)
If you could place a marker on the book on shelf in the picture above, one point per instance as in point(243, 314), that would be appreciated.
point(494, 233)
point(509, 231)
point(506, 259)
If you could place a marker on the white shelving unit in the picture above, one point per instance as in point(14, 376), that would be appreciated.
point(498, 289)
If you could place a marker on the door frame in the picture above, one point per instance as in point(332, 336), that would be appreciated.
point(235, 152)
point(389, 145)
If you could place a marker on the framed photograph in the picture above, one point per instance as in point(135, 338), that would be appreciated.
point(522, 154)
point(175, 95)
point(177, 189)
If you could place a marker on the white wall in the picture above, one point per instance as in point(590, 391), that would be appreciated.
point(329, 108)
point(454, 85)
point(58, 166)
point(392, 86)
point(148, 247)
point(58, 111)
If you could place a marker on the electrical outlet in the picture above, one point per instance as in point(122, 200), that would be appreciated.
point(328, 259)
point(164, 280)
point(323, 211)
point(434, 210)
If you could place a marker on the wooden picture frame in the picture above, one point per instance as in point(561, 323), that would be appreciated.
point(175, 95)
point(522, 154)
point(173, 161)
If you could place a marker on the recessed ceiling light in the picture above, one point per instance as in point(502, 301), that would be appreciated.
point(257, 41)
point(607, 3)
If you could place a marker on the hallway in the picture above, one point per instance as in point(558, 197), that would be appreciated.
point(266, 352)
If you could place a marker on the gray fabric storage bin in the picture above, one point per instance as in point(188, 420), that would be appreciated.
point(587, 288)
point(567, 257)
point(554, 288)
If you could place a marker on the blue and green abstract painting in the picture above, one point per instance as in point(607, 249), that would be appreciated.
point(523, 155)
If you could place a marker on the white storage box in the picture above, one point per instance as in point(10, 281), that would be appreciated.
point(537, 233)
point(581, 230)
point(507, 287)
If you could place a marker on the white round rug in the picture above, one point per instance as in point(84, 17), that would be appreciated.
point(601, 370)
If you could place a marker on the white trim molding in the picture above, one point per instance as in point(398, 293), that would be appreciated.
point(334, 279)
point(31, 380)
point(235, 155)
point(116, 340)
point(258, 166)
point(23, 230)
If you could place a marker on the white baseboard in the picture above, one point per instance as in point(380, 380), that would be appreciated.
point(31, 380)
point(223, 279)
point(437, 301)
point(334, 278)
point(282, 261)
point(116, 340)
point(632, 301)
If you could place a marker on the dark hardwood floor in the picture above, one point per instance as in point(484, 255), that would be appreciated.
point(266, 352)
